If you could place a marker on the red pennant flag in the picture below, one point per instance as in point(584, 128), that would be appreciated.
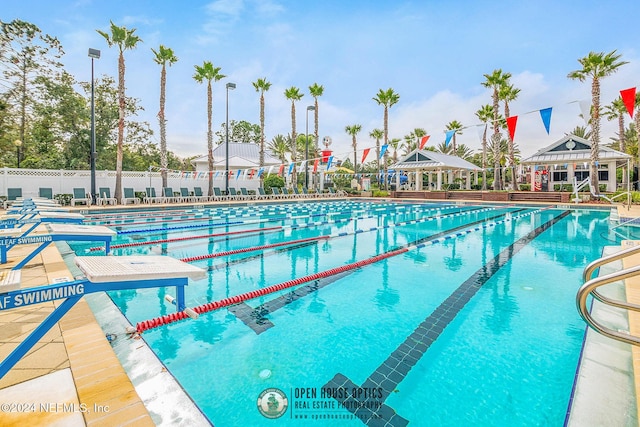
point(280, 170)
point(251, 172)
point(424, 140)
point(365, 153)
point(511, 125)
point(629, 99)
point(315, 165)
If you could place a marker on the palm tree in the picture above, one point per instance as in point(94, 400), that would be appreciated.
point(316, 91)
point(388, 98)
point(353, 130)
point(208, 72)
point(456, 127)
point(279, 147)
point(495, 81)
point(509, 93)
point(293, 94)
point(261, 85)
point(163, 56)
point(596, 66)
point(485, 115)
point(377, 134)
point(581, 131)
point(124, 39)
point(395, 144)
point(613, 111)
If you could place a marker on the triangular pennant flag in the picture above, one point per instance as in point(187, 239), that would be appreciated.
point(511, 125)
point(365, 153)
point(291, 168)
point(281, 169)
point(448, 137)
point(329, 162)
point(302, 166)
point(238, 174)
point(545, 115)
point(424, 140)
point(481, 128)
point(629, 99)
point(217, 172)
point(383, 149)
point(315, 165)
point(260, 172)
point(585, 109)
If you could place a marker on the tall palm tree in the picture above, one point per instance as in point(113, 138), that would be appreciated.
point(279, 147)
point(261, 86)
point(455, 126)
point(495, 81)
point(395, 143)
point(163, 56)
point(387, 98)
point(353, 130)
point(316, 91)
point(124, 39)
point(207, 72)
point(293, 94)
point(509, 93)
point(377, 134)
point(485, 115)
point(581, 131)
point(596, 66)
point(613, 111)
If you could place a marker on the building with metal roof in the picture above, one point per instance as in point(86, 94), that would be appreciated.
point(241, 156)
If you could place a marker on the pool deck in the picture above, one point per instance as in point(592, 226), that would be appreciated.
point(72, 377)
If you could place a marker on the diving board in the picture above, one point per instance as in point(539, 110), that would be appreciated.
point(103, 273)
point(57, 232)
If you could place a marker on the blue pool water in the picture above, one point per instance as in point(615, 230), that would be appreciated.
point(477, 326)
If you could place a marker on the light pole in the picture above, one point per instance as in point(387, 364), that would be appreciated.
point(18, 143)
point(306, 163)
point(230, 86)
point(93, 54)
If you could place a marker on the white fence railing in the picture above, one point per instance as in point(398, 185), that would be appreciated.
point(64, 181)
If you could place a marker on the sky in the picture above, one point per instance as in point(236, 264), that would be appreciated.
point(433, 53)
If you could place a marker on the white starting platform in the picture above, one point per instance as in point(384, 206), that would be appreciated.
point(103, 273)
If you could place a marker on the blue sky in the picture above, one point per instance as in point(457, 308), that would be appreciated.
point(433, 53)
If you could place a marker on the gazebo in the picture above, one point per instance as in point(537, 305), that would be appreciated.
point(444, 166)
point(570, 157)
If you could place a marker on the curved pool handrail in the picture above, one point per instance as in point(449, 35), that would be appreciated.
point(589, 288)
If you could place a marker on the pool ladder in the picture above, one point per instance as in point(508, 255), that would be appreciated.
point(590, 288)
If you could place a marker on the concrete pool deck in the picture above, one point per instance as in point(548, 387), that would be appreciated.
point(72, 377)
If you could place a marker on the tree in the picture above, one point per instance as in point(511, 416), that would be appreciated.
point(279, 147)
point(495, 81)
point(387, 98)
point(613, 111)
point(163, 56)
point(26, 54)
point(456, 127)
point(316, 91)
point(207, 72)
point(261, 86)
point(124, 39)
point(353, 130)
point(239, 131)
point(377, 134)
point(293, 94)
point(509, 93)
point(485, 115)
point(596, 66)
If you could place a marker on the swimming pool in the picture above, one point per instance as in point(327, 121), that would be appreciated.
point(471, 321)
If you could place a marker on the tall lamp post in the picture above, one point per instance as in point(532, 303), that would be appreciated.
point(230, 86)
point(93, 54)
point(306, 163)
point(18, 143)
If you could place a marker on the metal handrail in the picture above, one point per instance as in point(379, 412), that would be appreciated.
point(590, 286)
point(587, 275)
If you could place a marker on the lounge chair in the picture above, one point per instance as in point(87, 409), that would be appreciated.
point(130, 196)
point(168, 197)
point(276, 193)
point(13, 194)
point(104, 197)
point(186, 196)
point(286, 194)
point(198, 196)
point(262, 195)
point(80, 196)
point(233, 194)
point(151, 196)
point(246, 195)
point(217, 195)
point(45, 193)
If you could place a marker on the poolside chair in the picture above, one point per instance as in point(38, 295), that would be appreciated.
point(80, 196)
point(233, 194)
point(286, 194)
point(262, 195)
point(168, 197)
point(104, 197)
point(246, 195)
point(217, 195)
point(130, 196)
point(296, 193)
point(276, 193)
point(151, 196)
point(45, 193)
point(198, 196)
point(186, 196)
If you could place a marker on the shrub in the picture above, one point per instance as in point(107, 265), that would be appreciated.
point(272, 180)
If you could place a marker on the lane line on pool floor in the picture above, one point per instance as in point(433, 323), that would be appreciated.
point(372, 410)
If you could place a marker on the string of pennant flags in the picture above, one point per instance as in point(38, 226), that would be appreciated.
point(628, 97)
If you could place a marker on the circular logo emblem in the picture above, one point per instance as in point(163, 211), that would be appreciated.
point(272, 403)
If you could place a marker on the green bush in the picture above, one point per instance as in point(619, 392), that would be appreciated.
point(380, 193)
point(272, 180)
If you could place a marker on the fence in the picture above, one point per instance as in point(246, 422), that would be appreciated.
point(64, 181)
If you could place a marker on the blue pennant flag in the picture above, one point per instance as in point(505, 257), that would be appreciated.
point(545, 114)
point(448, 137)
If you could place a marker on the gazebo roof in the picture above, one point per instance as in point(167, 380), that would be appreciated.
point(572, 149)
point(430, 160)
